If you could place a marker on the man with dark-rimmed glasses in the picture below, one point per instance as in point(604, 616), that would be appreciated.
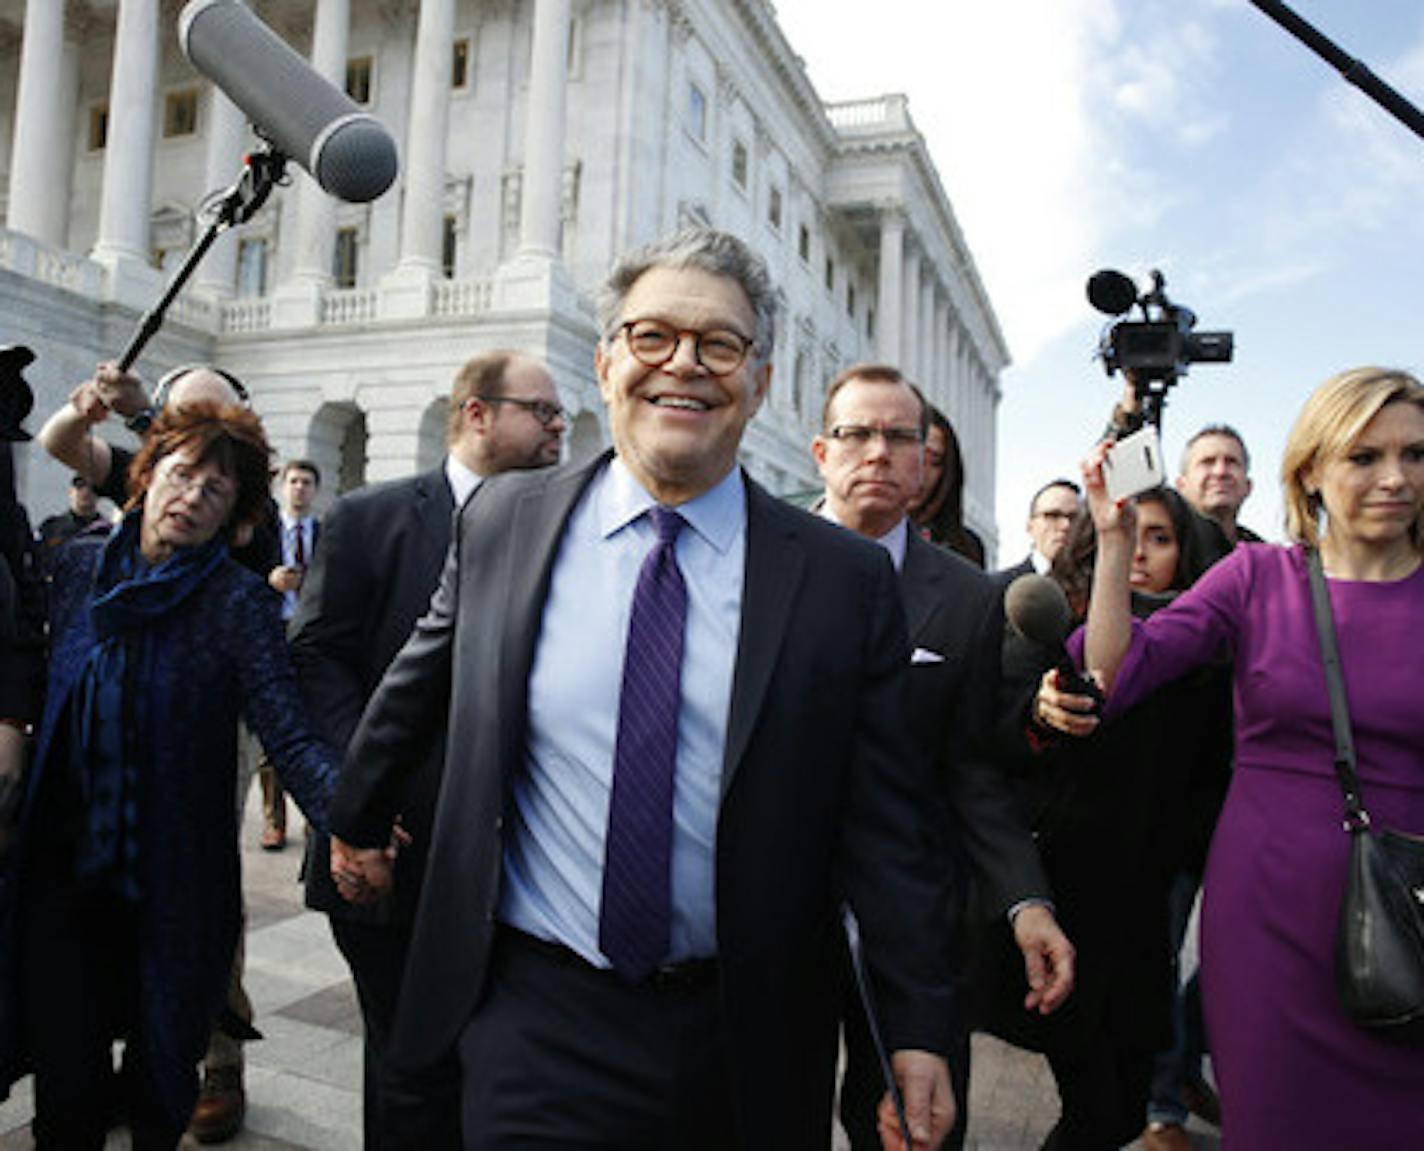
point(672, 709)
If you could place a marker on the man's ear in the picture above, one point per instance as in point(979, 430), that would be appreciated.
point(601, 366)
point(818, 451)
point(761, 385)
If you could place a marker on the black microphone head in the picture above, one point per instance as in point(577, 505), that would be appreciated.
point(1111, 291)
point(303, 115)
point(1038, 610)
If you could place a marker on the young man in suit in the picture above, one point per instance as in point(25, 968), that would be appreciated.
point(1050, 514)
point(870, 453)
point(676, 741)
point(379, 561)
point(297, 531)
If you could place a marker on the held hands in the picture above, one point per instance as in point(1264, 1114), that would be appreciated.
point(929, 1102)
point(1048, 958)
point(285, 579)
point(365, 874)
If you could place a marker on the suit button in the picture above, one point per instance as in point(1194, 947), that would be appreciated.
point(499, 823)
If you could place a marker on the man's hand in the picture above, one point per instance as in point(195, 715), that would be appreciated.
point(929, 1101)
point(285, 579)
point(1048, 958)
point(361, 874)
point(12, 776)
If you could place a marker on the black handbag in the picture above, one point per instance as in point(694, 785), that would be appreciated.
point(1379, 943)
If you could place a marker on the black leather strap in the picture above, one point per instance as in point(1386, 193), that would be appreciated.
point(1345, 768)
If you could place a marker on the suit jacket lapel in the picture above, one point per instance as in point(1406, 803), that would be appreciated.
point(774, 562)
point(432, 508)
point(920, 582)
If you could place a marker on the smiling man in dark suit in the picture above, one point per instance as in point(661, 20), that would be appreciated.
point(870, 453)
point(382, 549)
point(676, 742)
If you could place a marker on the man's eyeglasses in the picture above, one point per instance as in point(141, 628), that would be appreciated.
point(1055, 516)
point(542, 410)
point(859, 436)
point(720, 351)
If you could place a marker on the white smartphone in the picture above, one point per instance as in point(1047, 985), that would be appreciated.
point(1134, 464)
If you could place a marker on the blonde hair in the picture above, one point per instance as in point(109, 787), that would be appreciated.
point(1331, 421)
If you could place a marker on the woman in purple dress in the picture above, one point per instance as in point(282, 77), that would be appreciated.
point(1292, 1068)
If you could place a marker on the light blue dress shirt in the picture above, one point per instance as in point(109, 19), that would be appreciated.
point(553, 856)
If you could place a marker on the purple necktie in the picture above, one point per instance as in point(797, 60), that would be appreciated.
point(634, 926)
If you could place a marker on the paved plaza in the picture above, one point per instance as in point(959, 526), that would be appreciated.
point(303, 1079)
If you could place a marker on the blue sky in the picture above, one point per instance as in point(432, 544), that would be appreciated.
point(1195, 136)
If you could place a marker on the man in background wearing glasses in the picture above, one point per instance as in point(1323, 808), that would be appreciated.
point(871, 454)
point(370, 579)
point(1051, 512)
point(675, 741)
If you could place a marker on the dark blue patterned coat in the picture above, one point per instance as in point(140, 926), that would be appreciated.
point(217, 654)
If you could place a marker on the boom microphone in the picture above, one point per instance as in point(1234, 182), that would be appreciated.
point(344, 149)
point(1038, 610)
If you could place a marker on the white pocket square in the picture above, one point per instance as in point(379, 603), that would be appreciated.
point(924, 655)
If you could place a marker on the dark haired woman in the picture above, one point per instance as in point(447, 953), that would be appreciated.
point(126, 896)
point(1107, 808)
point(939, 513)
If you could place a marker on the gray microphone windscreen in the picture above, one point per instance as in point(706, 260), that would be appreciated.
point(308, 119)
point(1038, 610)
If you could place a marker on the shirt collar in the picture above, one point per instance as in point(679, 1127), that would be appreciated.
point(461, 479)
point(716, 515)
point(894, 541)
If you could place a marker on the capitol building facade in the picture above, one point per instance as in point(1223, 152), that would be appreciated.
point(538, 139)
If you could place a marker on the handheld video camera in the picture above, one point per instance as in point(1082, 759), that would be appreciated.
point(1161, 344)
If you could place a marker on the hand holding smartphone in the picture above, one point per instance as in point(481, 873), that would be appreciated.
point(1134, 464)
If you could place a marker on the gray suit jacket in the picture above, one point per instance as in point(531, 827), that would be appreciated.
point(821, 794)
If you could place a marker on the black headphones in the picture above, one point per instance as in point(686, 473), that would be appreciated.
point(141, 421)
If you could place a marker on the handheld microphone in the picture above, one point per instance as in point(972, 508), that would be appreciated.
point(344, 149)
point(1038, 610)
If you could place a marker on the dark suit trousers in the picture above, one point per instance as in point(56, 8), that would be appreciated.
point(402, 1110)
point(562, 1054)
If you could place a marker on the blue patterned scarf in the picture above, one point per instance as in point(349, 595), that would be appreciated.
point(113, 696)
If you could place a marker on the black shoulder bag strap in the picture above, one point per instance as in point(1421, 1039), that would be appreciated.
point(1355, 813)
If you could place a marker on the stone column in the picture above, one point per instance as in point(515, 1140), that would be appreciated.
point(927, 365)
point(938, 384)
point(891, 287)
point(909, 361)
point(44, 110)
point(405, 291)
point(544, 131)
point(423, 211)
point(126, 202)
point(227, 137)
point(297, 301)
point(316, 211)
